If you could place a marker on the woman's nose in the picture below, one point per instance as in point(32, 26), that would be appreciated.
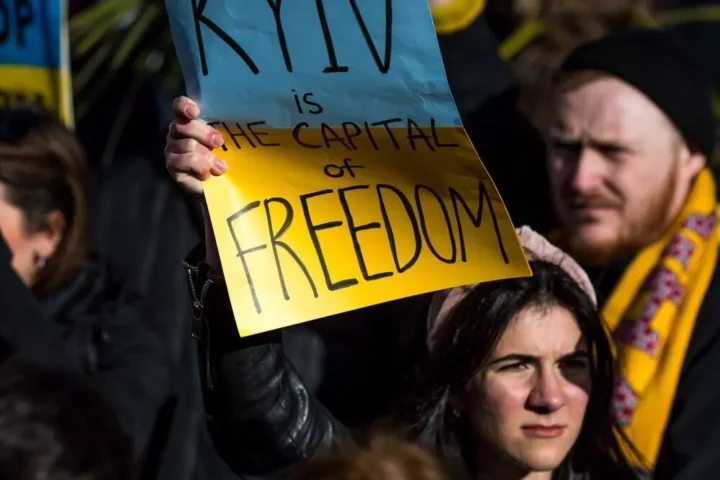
point(547, 393)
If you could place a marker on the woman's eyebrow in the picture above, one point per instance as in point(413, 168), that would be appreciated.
point(517, 357)
point(523, 357)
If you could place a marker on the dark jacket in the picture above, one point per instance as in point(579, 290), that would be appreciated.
point(24, 329)
point(145, 224)
point(689, 450)
point(102, 325)
point(94, 325)
point(268, 421)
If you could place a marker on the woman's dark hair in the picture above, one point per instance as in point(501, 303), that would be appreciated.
point(43, 168)
point(55, 425)
point(464, 343)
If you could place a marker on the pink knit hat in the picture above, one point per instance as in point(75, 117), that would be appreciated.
point(536, 247)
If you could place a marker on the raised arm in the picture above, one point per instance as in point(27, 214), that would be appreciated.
point(261, 417)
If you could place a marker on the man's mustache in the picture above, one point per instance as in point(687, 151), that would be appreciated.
point(592, 201)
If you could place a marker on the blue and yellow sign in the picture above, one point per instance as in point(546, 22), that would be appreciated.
point(34, 56)
point(351, 180)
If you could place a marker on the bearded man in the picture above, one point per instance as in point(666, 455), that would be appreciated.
point(629, 144)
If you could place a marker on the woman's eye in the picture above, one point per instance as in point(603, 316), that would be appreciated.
point(512, 367)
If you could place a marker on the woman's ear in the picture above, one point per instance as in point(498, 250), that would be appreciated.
point(46, 241)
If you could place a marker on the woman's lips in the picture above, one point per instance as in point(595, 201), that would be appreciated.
point(543, 431)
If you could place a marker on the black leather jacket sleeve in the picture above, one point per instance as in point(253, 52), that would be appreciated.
point(261, 417)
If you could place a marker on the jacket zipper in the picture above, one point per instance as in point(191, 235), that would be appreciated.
point(197, 308)
point(199, 324)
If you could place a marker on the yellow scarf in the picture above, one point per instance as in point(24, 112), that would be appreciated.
point(652, 313)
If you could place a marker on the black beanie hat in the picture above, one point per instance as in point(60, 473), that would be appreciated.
point(657, 65)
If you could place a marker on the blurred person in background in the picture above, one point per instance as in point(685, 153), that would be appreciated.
point(23, 318)
point(385, 458)
point(629, 142)
point(45, 220)
point(54, 425)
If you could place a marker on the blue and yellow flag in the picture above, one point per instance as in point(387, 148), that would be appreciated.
point(34, 56)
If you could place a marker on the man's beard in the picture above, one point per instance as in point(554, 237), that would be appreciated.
point(631, 236)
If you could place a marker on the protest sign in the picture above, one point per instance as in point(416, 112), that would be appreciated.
point(351, 180)
point(34, 56)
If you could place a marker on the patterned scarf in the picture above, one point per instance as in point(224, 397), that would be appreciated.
point(652, 313)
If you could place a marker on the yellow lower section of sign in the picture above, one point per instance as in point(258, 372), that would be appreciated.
point(318, 222)
point(46, 87)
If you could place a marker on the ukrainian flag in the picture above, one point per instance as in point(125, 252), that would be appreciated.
point(34, 56)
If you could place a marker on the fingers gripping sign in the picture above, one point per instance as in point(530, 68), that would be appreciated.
point(189, 149)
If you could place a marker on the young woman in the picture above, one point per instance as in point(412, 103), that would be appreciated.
point(518, 382)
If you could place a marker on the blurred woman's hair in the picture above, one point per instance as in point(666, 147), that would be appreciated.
point(386, 457)
point(54, 425)
point(43, 168)
point(465, 343)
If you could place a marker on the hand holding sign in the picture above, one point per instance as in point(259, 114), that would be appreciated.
point(188, 152)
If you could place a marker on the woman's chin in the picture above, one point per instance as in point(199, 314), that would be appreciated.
point(546, 460)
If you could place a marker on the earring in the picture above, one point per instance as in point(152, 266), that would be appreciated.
point(40, 262)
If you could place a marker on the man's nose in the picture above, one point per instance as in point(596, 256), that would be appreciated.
point(547, 394)
point(588, 172)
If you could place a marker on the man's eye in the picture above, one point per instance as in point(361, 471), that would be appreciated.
point(612, 151)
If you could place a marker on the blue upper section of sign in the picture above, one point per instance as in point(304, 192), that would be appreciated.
point(362, 60)
point(30, 32)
